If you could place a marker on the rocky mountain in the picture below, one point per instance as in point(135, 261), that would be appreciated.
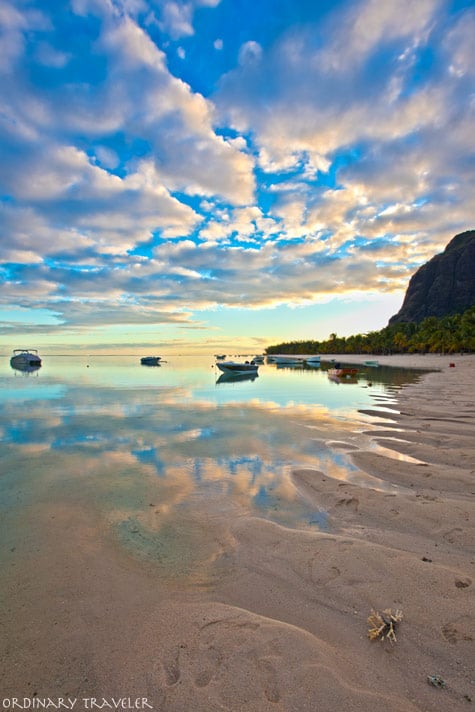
point(444, 285)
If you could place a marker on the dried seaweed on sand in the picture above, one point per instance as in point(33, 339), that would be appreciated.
point(383, 625)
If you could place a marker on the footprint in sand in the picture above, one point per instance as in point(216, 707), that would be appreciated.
point(453, 634)
point(171, 668)
point(210, 661)
point(326, 576)
point(452, 535)
point(268, 677)
point(230, 659)
point(249, 651)
point(350, 502)
point(180, 666)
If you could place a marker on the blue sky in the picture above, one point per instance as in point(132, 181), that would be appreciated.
point(228, 173)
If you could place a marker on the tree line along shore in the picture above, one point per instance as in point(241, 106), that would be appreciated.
point(447, 334)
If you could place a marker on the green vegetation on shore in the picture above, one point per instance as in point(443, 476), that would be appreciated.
point(449, 334)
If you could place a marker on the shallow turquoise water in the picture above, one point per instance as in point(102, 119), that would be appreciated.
point(156, 451)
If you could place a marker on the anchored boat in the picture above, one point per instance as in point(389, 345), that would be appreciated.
point(150, 360)
point(23, 358)
point(237, 367)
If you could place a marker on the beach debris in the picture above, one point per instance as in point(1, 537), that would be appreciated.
point(436, 681)
point(383, 625)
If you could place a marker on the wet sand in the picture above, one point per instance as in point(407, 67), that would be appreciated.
point(280, 622)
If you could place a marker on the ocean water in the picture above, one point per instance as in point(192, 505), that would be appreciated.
point(162, 455)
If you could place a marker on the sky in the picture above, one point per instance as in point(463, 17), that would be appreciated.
point(226, 174)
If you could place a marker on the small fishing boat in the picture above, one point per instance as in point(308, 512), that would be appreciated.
point(312, 359)
point(342, 372)
point(371, 364)
point(220, 357)
point(237, 367)
point(150, 360)
point(23, 358)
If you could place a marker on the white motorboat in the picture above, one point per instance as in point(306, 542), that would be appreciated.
point(23, 358)
point(287, 359)
point(237, 367)
point(312, 360)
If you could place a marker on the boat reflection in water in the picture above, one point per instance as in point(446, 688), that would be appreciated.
point(343, 379)
point(25, 367)
point(235, 377)
point(343, 375)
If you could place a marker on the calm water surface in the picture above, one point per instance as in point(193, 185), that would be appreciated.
point(160, 454)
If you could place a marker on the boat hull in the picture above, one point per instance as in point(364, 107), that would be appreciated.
point(284, 360)
point(237, 368)
point(311, 360)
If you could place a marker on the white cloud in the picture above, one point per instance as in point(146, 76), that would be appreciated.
point(50, 57)
point(44, 169)
point(14, 26)
point(372, 22)
point(250, 53)
point(107, 157)
point(329, 94)
point(459, 45)
point(130, 46)
point(176, 17)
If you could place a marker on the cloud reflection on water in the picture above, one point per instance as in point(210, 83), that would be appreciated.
point(155, 462)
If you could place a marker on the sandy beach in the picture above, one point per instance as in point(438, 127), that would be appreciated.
point(281, 625)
